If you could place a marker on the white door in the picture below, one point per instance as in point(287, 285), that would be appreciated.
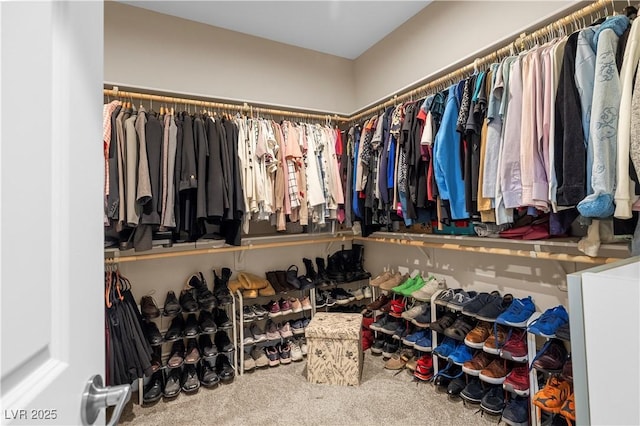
point(51, 179)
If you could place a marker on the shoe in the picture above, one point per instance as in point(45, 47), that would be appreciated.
point(444, 376)
point(424, 319)
point(461, 299)
point(473, 392)
point(517, 381)
point(206, 345)
point(171, 305)
point(496, 307)
point(474, 306)
point(176, 356)
point(390, 348)
point(189, 382)
point(494, 373)
point(221, 287)
point(248, 314)
point(303, 346)
point(518, 313)
point(172, 384)
point(224, 369)
point(275, 283)
point(398, 360)
point(188, 302)
point(515, 349)
point(356, 266)
point(445, 296)
point(310, 278)
point(551, 357)
point(285, 307)
point(272, 332)
point(322, 277)
point(380, 322)
point(206, 322)
point(547, 323)
point(493, 401)
point(274, 356)
point(257, 333)
point(175, 329)
point(377, 347)
point(410, 282)
point(428, 289)
point(341, 296)
point(476, 337)
point(306, 303)
point(260, 312)
point(148, 308)
point(151, 332)
point(296, 305)
point(204, 297)
point(292, 277)
point(386, 308)
point(492, 345)
point(412, 363)
point(192, 355)
point(153, 389)
point(248, 337)
point(296, 352)
point(424, 368)
point(397, 308)
point(358, 294)
point(274, 309)
point(285, 330)
point(415, 311)
point(208, 376)
point(222, 342)
point(390, 326)
point(564, 332)
point(443, 322)
point(259, 357)
point(460, 328)
point(156, 359)
point(461, 355)
point(456, 386)
point(445, 348)
point(553, 395)
point(568, 410)
point(412, 338)
point(284, 351)
point(394, 281)
point(191, 327)
point(479, 362)
point(366, 291)
point(222, 319)
point(567, 370)
point(424, 344)
point(297, 328)
point(516, 412)
point(378, 303)
point(375, 282)
point(418, 284)
point(401, 331)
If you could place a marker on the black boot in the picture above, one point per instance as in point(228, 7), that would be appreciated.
point(357, 262)
point(347, 262)
point(203, 295)
point(322, 278)
point(221, 288)
point(335, 268)
point(308, 280)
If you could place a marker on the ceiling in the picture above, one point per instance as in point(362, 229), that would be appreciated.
point(342, 28)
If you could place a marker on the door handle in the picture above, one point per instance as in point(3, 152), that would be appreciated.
point(96, 396)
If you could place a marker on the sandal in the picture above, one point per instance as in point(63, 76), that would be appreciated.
point(443, 322)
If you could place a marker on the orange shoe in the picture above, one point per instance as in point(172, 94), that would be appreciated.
point(553, 395)
point(568, 410)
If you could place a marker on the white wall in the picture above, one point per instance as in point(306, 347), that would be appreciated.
point(441, 35)
point(150, 50)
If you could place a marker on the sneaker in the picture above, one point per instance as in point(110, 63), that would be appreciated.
point(417, 283)
point(259, 311)
point(378, 303)
point(474, 306)
point(428, 289)
point(461, 355)
point(445, 348)
point(479, 362)
point(380, 322)
point(284, 350)
point(567, 370)
point(285, 307)
point(390, 326)
point(259, 357)
point(424, 319)
point(296, 305)
point(446, 296)
point(568, 410)
point(548, 323)
point(303, 346)
point(274, 309)
point(516, 412)
point(384, 276)
point(456, 386)
point(551, 357)
point(518, 313)
point(358, 294)
point(493, 401)
point(306, 303)
point(492, 310)
point(273, 355)
point(296, 352)
point(248, 337)
point(476, 337)
point(285, 330)
point(424, 344)
point(394, 281)
point(258, 333)
point(494, 373)
point(248, 314)
point(272, 331)
point(397, 308)
point(443, 322)
point(553, 395)
point(412, 338)
point(249, 362)
point(473, 392)
point(297, 327)
point(377, 347)
point(415, 311)
point(461, 299)
point(390, 348)
point(492, 345)
point(515, 349)
point(401, 331)
point(342, 296)
point(564, 332)
point(517, 381)
point(330, 300)
point(398, 360)
point(424, 368)
point(321, 301)
point(460, 328)
point(444, 376)
point(366, 291)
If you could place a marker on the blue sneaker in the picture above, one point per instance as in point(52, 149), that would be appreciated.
point(516, 412)
point(424, 344)
point(446, 348)
point(461, 355)
point(518, 313)
point(411, 339)
point(547, 324)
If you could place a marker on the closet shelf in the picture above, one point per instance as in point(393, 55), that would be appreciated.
point(561, 249)
point(114, 255)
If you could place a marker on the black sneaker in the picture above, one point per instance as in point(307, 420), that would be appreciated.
point(389, 348)
point(188, 302)
point(493, 401)
point(175, 329)
point(222, 342)
point(456, 386)
point(222, 319)
point(516, 412)
point(377, 347)
point(473, 392)
point(495, 308)
point(153, 390)
point(191, 327)
point(321, 300)
point(444, 377)
point(390, 326)
point(341, 296)
point(224, 369)
point(209, 350)
point(208, 376)
point(171, 305)
point(189, 382)
point(206, 322)
point(151, 332)
point(477, 303)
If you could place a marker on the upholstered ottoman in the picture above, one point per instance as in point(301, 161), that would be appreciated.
point(334, 349)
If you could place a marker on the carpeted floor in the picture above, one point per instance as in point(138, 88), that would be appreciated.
point(281, 395)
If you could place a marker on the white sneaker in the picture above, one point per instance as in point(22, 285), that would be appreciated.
point(306, 303)
point(413, 312)
point(429, 289)
point(358, 294)
point(367, 292)
point(296, 351)
point(248, 338)
point(303, 346)
point(259, 357)
point(285, 330)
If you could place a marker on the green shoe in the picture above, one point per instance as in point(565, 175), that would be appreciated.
point(409, 282)
point(418, 283)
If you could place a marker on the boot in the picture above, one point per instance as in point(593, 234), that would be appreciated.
point(347, 262)
point(335, 268)
point(221, 286)
point(275, 283)
point(198, 285)
point(357, 262)
point(322, 278)
point(308, 280)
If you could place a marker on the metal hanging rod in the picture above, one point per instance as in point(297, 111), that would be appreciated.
point(573, 21)
point(244, 108)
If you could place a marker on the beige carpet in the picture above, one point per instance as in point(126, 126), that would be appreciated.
point(281, 395)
